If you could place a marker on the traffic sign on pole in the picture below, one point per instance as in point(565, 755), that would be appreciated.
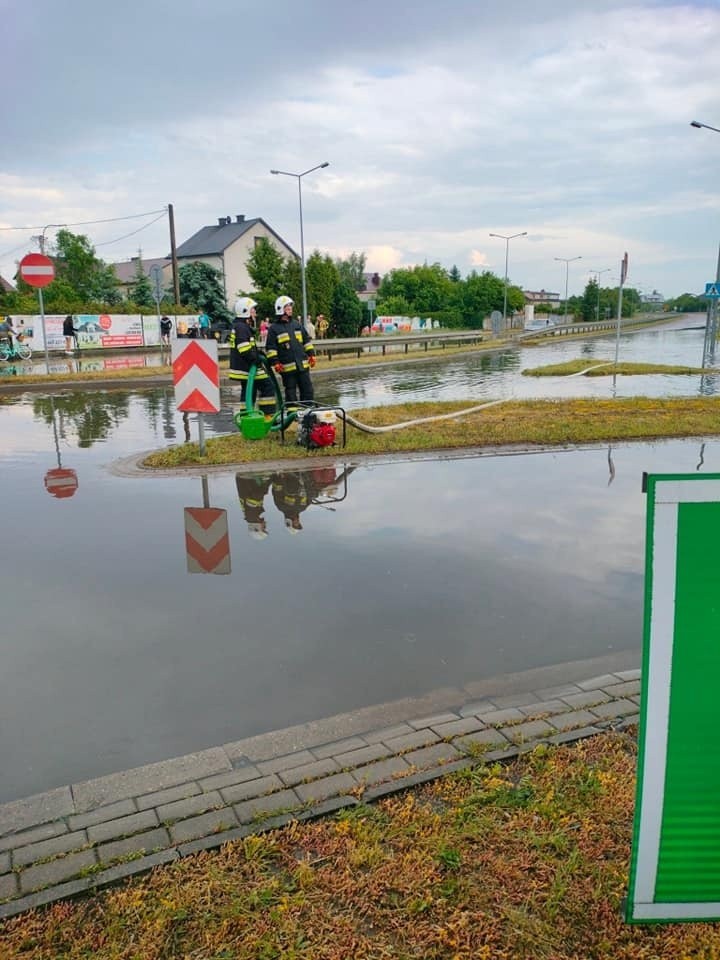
point(207, 541)
point(676, 841)
point(156, 273)
point(37, 270)
point(196, 376)
point(61, 482)
point(712, 291)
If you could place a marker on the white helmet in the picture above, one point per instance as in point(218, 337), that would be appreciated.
point(243, 306)
point(281, 303)
point(257, 531)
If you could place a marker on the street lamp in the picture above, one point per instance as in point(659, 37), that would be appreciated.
point(507, 253)
point(567, 261)
point(298, 177)
point(711, 323)
point(700, 126)
point(598, 274)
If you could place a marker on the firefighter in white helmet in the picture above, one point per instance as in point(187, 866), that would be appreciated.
point(244, 353)
point(290, 350)
point(251, 494)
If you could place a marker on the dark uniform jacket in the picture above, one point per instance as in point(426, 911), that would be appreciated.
point(289, 344)
point(243, 351)
point(251, 493)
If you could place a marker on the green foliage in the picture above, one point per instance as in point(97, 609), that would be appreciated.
point(351, 270)
point(425, 288)
point(321, 277)
point(292, 283)
point(394, 306)
point(455, 274)
point(86, 276)
point(449, 319)
point(347, 312)
point(265, 266)
point(141, 290)
point(590, 301)
point(201, 288)
point(688, 303)
point(598, 303)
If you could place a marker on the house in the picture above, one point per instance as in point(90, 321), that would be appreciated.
point(6, 286)
point(372, 285)
point(654, 299)
point(227, 245)
point(126, 271)
point(542, 296)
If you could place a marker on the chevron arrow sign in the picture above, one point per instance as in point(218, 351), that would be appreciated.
point(196, 376)
point(207, 542)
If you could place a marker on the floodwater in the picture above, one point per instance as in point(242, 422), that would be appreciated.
point(373, 583)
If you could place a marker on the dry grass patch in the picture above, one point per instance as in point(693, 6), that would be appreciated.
point(601, 368)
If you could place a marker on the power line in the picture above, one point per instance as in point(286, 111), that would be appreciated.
point(87, 223)
point(107, 243)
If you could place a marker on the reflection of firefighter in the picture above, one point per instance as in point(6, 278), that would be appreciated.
point(295, 492)
point(251, 491)
point(244, 353)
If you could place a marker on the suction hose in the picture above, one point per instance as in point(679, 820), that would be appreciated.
point(366, 428)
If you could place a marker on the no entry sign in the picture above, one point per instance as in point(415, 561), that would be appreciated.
point(37, 270)
point(61, 483)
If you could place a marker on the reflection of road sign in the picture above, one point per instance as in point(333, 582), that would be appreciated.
point(624, 268)
point(676, 843)
point(61, 483)
point(196, 376)
point(712, 290)
point(37, 270)
point(157, 279)
point(207, 541)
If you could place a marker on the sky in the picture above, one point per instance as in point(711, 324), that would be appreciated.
point(441, 122)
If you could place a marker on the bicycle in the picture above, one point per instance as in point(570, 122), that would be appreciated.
point(16, 351)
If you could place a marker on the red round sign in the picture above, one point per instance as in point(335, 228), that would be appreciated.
point(37, 270)
point(105, 321)
point(61, 483)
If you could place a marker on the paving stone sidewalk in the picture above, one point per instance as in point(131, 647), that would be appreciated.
point(81, 837)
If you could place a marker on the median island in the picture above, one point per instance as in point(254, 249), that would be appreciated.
point(582, 366)
point(490, 424)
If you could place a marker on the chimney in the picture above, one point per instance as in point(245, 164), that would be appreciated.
point(239, 218)
point(221, 221)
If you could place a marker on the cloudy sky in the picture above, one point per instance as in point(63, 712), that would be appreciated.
point(442, 123)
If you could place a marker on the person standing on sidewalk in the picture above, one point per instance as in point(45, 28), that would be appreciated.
point(204, 324)
point(291, 352)
point(70, 334)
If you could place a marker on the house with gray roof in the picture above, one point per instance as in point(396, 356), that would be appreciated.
point(126, 271)
point(227, 245)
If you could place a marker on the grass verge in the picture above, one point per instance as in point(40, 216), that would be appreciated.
point(541, 422)
point(590, 369)
point(525, 860)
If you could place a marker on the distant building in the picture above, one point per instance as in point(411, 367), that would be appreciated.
point(126, 271)
point(653, 298)
point(227, 245)
point(372, 285)
point(542, 296)
point(6, 286)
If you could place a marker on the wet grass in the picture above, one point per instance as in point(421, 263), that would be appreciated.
point(524, 861)
point(125, 373)
point(526, 422)
point(600, 368)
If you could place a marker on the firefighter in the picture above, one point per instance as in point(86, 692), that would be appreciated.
point(251, 493)
point(290, 497)
point(290, 350)
point(244, 353)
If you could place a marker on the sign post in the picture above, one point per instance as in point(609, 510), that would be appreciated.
point(623, 275)
point(156, 274)
point(676, 840)
point(37, 270)
point(196, 376)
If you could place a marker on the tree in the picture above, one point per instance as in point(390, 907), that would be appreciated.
point(590, 301)
point(687, 303)
point(395, 306)
point(477, 296)
point(455, 274)
point(141, 291)
point(265, 266)
point(425, 288)
point(322, 278)
point(347, 312)
point(88, 277)
point(292, 283)
point(201, 288)
point(351, 270)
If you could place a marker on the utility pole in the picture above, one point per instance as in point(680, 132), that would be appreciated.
point(173, 255)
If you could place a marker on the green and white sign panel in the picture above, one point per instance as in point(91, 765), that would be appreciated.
point(675, 865)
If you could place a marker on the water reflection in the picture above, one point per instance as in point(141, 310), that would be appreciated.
point(89, 416)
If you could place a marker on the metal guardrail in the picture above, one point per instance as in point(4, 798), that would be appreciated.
point(567, 329)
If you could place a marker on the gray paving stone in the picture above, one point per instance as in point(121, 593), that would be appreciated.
point(570, 736)
point(149, 779)
point(141, 842)
point(110, 812)
point(310, 771)
point(203, 826)
point(483, 738)
point(431, 756)
point(8, 886)
point(498, 718)
point(253, 788)
point(214, 841)
point(435, 720)
point(45, 832)
point(338, 746)
point(606, 680)
point(4, 862)
point(514, 700)
point(356, 758)
point(477, 708)
point(627, 688)
point(457, 727)
point(387, 733)
point(252, 809)
point(629, 674)
point(576, 718)
point(409, 741)
point(327, 787)
point(562, 690)
point(170, 795)
point(180, 809)
point(616, 708)
point(543, 707)
point(382, 770)
point(37, 809)
point(49, 848)
point(123, 827)
point(414, 780)
point(587, 698)
point(532, 730)
point(45, 874)
point(239, 775)
point(285, 762)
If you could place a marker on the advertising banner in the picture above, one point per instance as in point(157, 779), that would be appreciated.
point(95, 331)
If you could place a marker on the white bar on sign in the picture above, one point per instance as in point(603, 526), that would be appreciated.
point(39, 271)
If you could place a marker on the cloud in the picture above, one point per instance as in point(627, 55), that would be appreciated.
point(478, 258)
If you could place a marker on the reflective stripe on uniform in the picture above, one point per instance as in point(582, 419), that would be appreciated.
point(237, 375)
point(309, 347)
point(245, 346)
point(283, 338)
point(271, 354)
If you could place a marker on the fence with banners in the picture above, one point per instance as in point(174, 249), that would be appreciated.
point(94, 331)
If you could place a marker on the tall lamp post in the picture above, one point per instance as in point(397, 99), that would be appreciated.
point(712, 314)
point(507, 254)
point(598, 274)
point(298, 177)
point(567, 261)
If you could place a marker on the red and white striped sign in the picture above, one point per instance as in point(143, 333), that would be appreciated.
point(61, 483)
point(207, 540)
point(196, 375)
point(37, 270)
